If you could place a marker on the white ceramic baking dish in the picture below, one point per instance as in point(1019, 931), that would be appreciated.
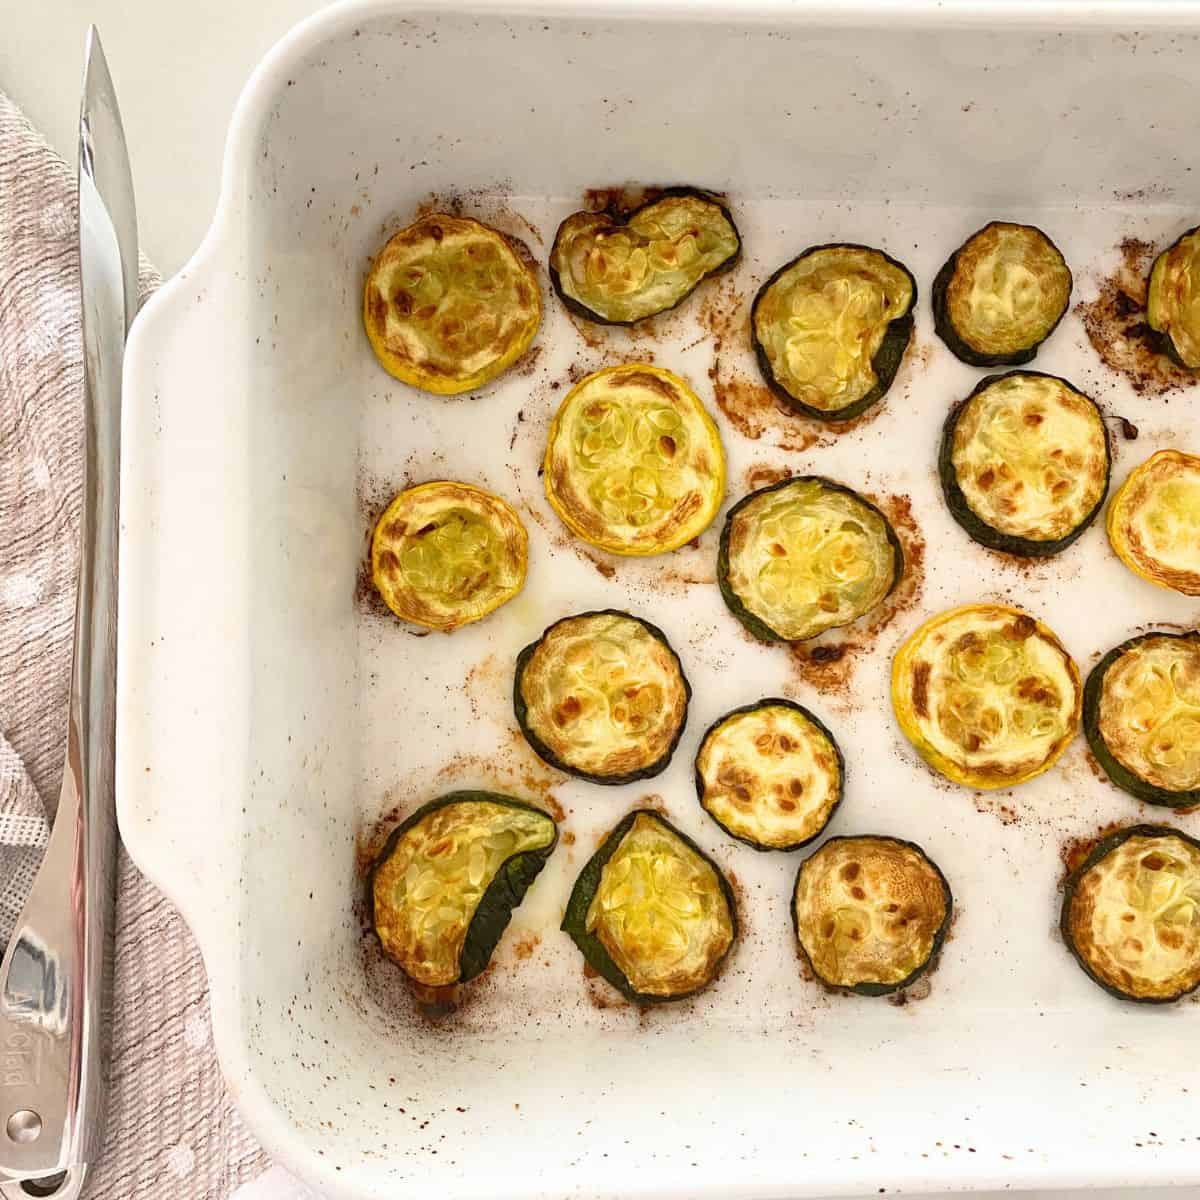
point(269, 718)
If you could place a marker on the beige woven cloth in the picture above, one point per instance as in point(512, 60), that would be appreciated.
point(172, 1131)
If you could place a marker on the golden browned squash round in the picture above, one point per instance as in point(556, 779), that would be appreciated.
point(987, 695)
point(1154, 521)
point(634, 463)
point(450, 304)
point(445, 554)
point(1173, 302)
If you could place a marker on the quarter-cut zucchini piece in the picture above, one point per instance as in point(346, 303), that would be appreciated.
point(619, 270)
point(830, 328)
point(444, 554)
point(1141, 715)
point(1173, 302)
point(634, 463)
point(804, 555)
point(1000, 295)
point(1024, 463)
point(1131, 914)
point(1154, 521)
point(445, 884)
point(651, 912)
point(602, 695)
point(870, 913)
point(986, 694)
point(770, 774)
point(450, 303)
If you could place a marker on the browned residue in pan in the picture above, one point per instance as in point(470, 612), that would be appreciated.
point(1074, 851)
point(1116, 326)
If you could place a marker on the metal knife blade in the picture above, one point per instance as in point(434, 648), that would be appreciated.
point(54, 980)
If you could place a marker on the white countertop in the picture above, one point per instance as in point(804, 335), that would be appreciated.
point(178, 71)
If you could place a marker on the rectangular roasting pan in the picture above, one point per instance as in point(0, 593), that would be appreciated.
point(272, 719)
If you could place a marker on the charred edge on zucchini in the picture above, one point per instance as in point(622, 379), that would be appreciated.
point(1027, 290)
point(652, 717)
point(1152, 730)
point(1068, 482)
point(1154, 521)
point(450, 304)
point(634, 463)
point(840, 939)
point(744, 792)
point(700, 926)
point(1159, 901)
point(445, 554)
point(987, 695)
point(460, 952)
point(1173, 301)
point(886, 336)
point(580, 232)
point(825, 614)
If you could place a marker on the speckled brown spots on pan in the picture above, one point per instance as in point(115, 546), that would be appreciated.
point(1116, 326)
point(1074, 850)
point(762, 475)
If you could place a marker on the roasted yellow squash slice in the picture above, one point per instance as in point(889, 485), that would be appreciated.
point(1173, 302)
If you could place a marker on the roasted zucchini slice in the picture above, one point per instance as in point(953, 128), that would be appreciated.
point(1000, 295)
point(602, 696)
point(619, 270)
point(870, 913)
point(830, 328)
point(634, 463)
point(1173, 300)
point(651, 912)
point(1131, 914)
point(986, 694)
point(450, 303)
point(1141, 716)
point(804, 555)
point(1154, 521)
point(445, 884)
point(444, 554)
point(770, 774)
point(1024, 463)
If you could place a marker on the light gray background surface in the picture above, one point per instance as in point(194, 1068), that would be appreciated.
point(179, 68)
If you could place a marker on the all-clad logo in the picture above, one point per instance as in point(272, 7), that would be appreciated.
point(21, 1061)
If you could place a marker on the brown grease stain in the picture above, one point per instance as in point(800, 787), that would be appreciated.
point(761, 475)
point(526, 944)
point(1074, 851)
point(1115, 322)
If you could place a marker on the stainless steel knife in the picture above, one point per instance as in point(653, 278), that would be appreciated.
point(54, 981)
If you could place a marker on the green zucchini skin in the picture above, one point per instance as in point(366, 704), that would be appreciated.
point(1160, 342)
point(1102, 849)
point(502, 895)
point(887, 358)
point(577, 309)
point(759, 628)
point(1124, 778)
point(574, 920)
point(979, 530)
point(944, 327)
point(773, 702)
point(521, 709)
point(884, 989)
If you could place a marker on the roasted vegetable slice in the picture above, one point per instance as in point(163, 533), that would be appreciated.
point(619, 270)
point(1141, 715)
point(445, 884)
point(1024, 463)
point(634, 463)
point(831, 327)
point(444, 554)
point(870, 913)
point(1173, 302)
point(1154, 521)
point(986, 694)
point(651, 912)
point(770, 774)
point(1000, 295)
point(450, 303)
point(803, 556)
point(1131, 914)
point(602, 696)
